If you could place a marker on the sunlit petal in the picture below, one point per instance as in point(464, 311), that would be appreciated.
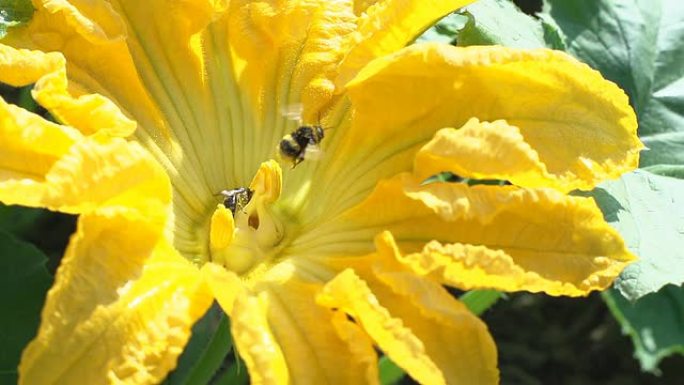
point(456, 340)
point(254, 339)
point(74, 174)
point(24, 135)
point(89, 113)
point(316, 339)
point(114, 173)
point(121, 308)
point(580, 125)
point(484, 150)
point(352, 295)
point(438, 319)
point(515, 234)
point(387, 26)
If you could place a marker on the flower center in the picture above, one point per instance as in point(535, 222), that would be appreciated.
point(246, 236)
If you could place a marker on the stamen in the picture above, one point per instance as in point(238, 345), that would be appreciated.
point(246, 237)
point(222, 227)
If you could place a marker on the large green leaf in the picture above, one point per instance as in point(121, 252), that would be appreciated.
point(24, 281)
point(19, 221)
point(13, 13)
point(445, 30)
point(655, 323)
point(648, 210)
point(500, 22)
point(639, 45)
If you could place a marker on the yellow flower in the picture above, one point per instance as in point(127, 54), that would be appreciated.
point(164, 104)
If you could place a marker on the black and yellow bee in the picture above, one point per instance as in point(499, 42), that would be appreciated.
point(301, 143)
point(237, 198)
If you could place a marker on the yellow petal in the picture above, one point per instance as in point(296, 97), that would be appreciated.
point(106, 56)
point(360, 347)
point(427, 323)
point(225, 285)
point(121, 309)
point(388, 26)
point(54, 166)
point(315, 340)
point(475, 267)
point(254, 340)
point(289, 50)
point(164, 45)
point(20, 68)
point(360, 6)
point(483, 150)
point(114, 173)
point(89, 113)
point(92, 37)
point(503, 237)
point(351, 294)
point(288, 323)
point(30, 148)
point(580, 125)
point(455, 339)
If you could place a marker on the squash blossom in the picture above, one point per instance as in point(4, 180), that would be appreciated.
point(163, 104)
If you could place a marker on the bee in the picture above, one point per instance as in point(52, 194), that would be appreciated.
point(237, 198)
point(303, 142)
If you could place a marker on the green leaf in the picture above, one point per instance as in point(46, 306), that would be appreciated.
point(205, 353)
point(638, 45)
point(236, 374)
point(390, 373)
point(674, 171)
point(480, 300)
point(24, 282)
point(13, 13)
point(20, 221)
point(500, 22)
point(648, 211)
point(445, 30)
point(654, 323)
point(26, 100)
point(553, 36)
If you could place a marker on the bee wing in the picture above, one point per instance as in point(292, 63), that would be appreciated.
point(313, 152)
point(293, 111)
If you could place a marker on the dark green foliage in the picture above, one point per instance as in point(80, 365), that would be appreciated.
point(638, 45)
point(24, 281)
point(654, 322)
point(207, 351)
point(14, 13)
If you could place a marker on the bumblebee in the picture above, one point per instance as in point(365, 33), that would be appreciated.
point(237, 198)
point(301, 143)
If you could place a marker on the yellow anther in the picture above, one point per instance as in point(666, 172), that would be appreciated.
point(242, 240)
point(267, 183)
point(222, 228)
